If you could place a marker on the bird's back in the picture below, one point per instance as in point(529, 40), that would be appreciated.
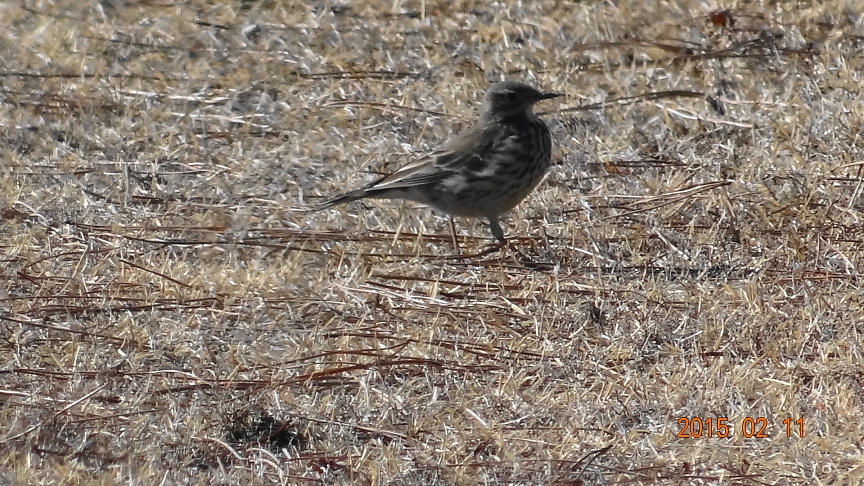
point(490, 171)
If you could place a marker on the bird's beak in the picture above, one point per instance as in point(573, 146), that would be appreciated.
point(546, 96)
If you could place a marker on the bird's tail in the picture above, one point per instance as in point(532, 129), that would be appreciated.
point(341, 199)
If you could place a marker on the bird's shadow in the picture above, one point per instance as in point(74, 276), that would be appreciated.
point(503, 250)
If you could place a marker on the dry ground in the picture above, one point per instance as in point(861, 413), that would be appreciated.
point(695, 252)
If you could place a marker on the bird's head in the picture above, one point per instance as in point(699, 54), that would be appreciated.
point(509, 98)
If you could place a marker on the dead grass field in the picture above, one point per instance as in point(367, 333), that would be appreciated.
point(168, 317)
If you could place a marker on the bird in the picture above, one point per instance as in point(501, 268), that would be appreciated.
point(485, 171)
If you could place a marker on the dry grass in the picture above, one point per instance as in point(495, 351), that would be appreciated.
point(696, 251)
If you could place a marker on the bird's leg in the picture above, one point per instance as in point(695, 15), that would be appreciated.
point(453, 234)
point(497, 232)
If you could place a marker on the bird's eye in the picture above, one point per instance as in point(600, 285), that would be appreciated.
point(511, 96)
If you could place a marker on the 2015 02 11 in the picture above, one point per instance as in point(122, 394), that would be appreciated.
point(756, 428)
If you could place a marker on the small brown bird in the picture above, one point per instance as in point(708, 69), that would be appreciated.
point(482, 173)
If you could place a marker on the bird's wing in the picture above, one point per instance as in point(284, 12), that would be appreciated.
point(465, 152)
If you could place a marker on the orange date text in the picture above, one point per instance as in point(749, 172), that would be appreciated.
point(750, 427)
